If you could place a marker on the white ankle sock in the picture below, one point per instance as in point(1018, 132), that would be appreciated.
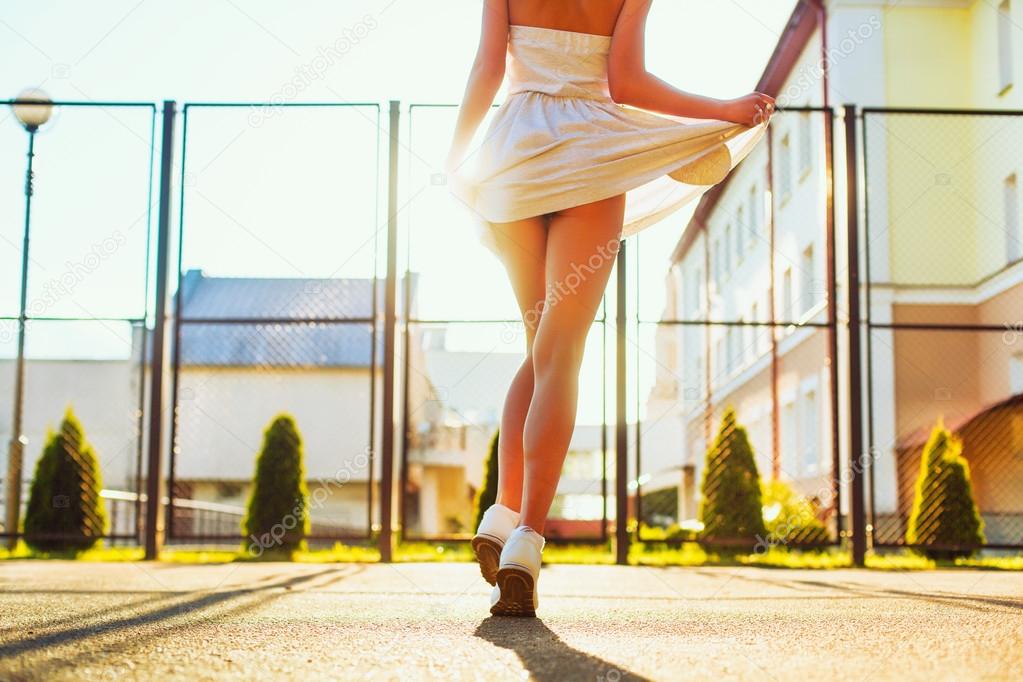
point(528, 533)
point(498, 521)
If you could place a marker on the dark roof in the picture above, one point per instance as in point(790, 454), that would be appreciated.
point(245, 321)
point(291, 298)
point(918, 438)
point(805, 18)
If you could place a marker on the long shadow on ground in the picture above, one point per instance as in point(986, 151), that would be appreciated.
point(234, 601)
point(973, 602)
point(543, 653)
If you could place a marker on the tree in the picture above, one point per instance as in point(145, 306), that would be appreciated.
point(277, 517)
point(487, 494)
point(790, 518)
point(945, 515)
point(65, 511)
point(731, 509)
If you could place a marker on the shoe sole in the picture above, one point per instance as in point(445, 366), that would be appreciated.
point(517, 588)
point(488, 555)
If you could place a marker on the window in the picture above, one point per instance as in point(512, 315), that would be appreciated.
point(728, 249)
point(764, 334)
point(730, 350)
point(719, 360)
point(1013, 235)
point(805, 144)
point(808, 271)
point(750, 350)
point(787, 308)
point(810, 439)
point(1016, 373)
point(695, 297)
point(740, 235)
point(755, 212)
point(1005, 55)
point(785, 168)
point(715, 261)
point(789, 441)
point(754, 317)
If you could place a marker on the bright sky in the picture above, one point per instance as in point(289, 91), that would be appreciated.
point(288, 192)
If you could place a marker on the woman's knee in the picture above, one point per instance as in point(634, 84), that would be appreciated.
point(557, 351)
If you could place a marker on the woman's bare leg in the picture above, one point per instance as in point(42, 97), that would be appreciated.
point(522, 247)
point(582, 243)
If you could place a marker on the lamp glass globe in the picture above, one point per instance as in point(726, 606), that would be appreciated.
point(33, 108)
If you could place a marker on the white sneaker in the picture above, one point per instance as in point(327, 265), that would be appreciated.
point(497, 524)
point(516, 591)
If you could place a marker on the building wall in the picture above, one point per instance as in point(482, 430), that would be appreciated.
point(736, 371)
point(945, 225)
point(917, 74)
point(104, 394)
point(223, 412)
point(983, 26)
point(332, 506)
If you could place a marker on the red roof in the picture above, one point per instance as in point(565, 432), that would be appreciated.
point(918, 438)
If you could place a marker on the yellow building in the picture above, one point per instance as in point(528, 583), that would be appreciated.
point(940, 244)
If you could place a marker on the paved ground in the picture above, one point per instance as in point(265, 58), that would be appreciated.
point(64, 620)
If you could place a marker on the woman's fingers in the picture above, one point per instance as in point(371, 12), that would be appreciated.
point(764, 108)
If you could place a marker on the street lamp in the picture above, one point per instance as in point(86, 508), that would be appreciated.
point(32, 108)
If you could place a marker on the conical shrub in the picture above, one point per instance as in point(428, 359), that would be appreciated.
point(945, 520)
point(487, 494)
point(277, 517)
point(65, 511)
point(731, 510)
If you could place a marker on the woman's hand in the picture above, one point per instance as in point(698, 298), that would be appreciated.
point(750, 110)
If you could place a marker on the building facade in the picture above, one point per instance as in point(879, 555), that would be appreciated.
point(940, 245)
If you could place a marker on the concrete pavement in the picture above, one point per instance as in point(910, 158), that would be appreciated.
point(75, 620)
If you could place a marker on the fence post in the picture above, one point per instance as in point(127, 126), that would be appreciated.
point(16, 451)
point(858, 525)
point(385, 541)
point(158, 358)
point(621, 424)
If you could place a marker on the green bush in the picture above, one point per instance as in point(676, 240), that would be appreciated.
point(65, 511)
point(944, 512)
point(731, 510)
point(487, 494)
point(277, 518)
point(789, 517)
point(659, 507)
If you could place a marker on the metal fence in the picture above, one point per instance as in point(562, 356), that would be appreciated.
point(395, 369)
point(462, 345)
point(943, 251)
point(76, 292)
point(266, 321)
point(750, 324)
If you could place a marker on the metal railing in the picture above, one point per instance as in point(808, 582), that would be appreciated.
point(943, 277)
point(315, 326)
point(898, 296)
point(65, 299)
point(754, 317)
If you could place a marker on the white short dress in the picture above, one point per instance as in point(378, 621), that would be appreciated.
point(559, 140)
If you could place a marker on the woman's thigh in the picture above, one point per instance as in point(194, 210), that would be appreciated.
point(582, 244)
point(522, 248)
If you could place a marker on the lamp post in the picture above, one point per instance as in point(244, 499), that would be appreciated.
point(32, 108)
